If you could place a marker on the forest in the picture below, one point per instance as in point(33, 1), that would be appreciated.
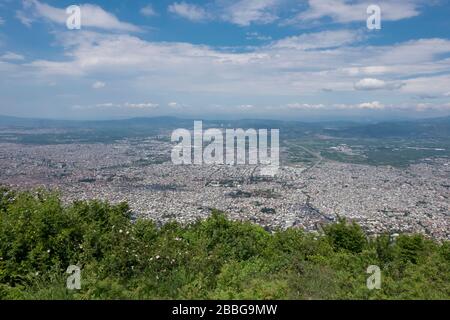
point(121, 257)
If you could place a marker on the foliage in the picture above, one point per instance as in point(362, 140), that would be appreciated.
point(346, 236)
point(212, 259)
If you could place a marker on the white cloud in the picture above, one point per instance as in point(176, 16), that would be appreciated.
point(279, 67)
point(293, 67)
point(24, 19)
point(370, 70)
point(148, 11)
point(375, 105)
point(376, 84)
point(241, 12)
point(344, 11)
point(246, 12)
point(2, 21)
point(174, 105)
point(370, 84)
point(98, 85)
point(110, 105)
point(145, 105)
point(12, 56)
point(257, 36)
point(246, 107)
point(405, 107)
point(416, 52)
point(437, 85)
point(304, 106)
point(421, 107)
point(319, 40)
point(177, 105)
point(91, 16)
point(189, 11)
point(106, 105)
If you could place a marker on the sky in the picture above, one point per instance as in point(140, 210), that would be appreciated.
point(277, 59)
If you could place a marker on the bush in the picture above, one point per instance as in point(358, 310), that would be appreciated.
point(211, 259)
point(344, 236)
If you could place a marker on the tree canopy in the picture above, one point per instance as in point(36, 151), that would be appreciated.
point(124, 258)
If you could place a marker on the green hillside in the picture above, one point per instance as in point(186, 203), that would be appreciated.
point(121, 258)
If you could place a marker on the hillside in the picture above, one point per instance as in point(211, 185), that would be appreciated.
point(212, 259)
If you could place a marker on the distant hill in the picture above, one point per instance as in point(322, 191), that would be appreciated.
point(426, 128)
point(33, 122)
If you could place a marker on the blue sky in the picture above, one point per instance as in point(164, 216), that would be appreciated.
point(311, 59)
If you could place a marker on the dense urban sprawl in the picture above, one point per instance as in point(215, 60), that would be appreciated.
point(139, 171)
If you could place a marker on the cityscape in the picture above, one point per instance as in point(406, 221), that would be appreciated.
point(224, 158)
point(306, 195)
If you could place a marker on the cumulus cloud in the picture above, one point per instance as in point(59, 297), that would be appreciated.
point(110, 105)
point(92, 16)
point(246, 107)
point(376, 84)
point(106, 105)
point(145, 105)
point(177, 105)
point(279, 68)
point(370, 84)
point(246, 12)
point(257, 36)
point(344, 11)
point(148, 11)
point(283, 69)
point(188, 11)
point(370, 70)
point(241, 12)
point(431, 85)
point(375, 105)
point(304, 106)
point(98, 85)
point(319, 40)
point(12, 56)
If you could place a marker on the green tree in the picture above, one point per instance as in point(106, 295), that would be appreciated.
point(346, 236)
